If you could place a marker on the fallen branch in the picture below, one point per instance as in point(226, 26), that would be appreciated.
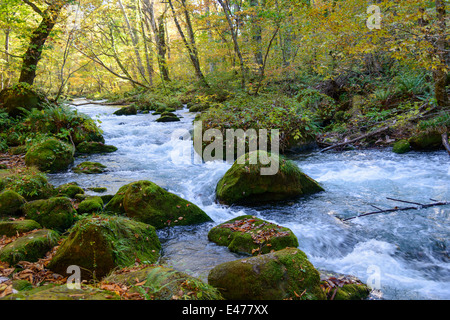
point(419, 206)
point(117, 103)
point(355, 139)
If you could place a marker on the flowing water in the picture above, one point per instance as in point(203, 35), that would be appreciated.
point(403, 254)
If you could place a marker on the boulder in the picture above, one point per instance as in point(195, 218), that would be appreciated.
point(30, 247)
point(11, 203)
point(283, 274)
point(90, 205)
point(163, 283)
point(90, 147)
point(401, 146)
point(101, 243)
point(147, 202)
point(343, 287)
point(89, 167)
point(168, 117)
point(126, 111)
point(69, 190)
point(51, 155)
point(251, 235)
point(426, 141)
point(55, 213)
point(20, 96)
point(11, 228)
point(243, 183)
point(28, 182)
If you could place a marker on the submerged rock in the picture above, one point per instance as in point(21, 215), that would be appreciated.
point(55, 213)
point(89, 167)
point(11, 203)
point(51, 155)
point(248, 234)
point(163, 283)
point(11, 228)
point(30, 247)
point(283, 274)
point(101, 243)
point(90, 147)
point(147, 202)
point(243, 183)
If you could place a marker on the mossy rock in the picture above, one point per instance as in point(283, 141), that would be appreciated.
point(11, 203)
point(401, 146)
point(251, 235)
point(164, 283)
point(69, 190)
point(20, 96)
point(51, 155)
point(168, 118)
point(98, 189)
point(28, 182)
point(102, 243)
point(343, 287)
point(55, 213)
point(63, 292)
point(90, 205)
point(11, 228)
point(283, 274)
point(90, 147)
point(147, 202)
point(243, 183)
point(126, 111)
point(30, 247)
point(89, 167)
point(426, 141)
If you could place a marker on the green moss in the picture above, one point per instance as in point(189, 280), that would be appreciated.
point(22, 285)
point(167, 118)
point(30, 247)
point(243, 183)
point(11, 203)
point(101, 243)
point(54, 213)
point(147, 202)
point(98, 189)
point(69, 190)
point(126, 111)
point(20, 96)
point(251, 235)
point(11, 228)
point(89, 167)
point(51, 155)
point(163, 283)
point(278, 275)
point(425, 141)
point(355, 291)
point(90, 147)
point(62, 292)
point(401, 146)
point(90, 205)
point(29, 183)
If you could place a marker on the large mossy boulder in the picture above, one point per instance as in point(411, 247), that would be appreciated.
point(20, 96)
point(89, 167)
point(55, 213)
point(163, 283)
point(51, 155)
point(283, 274)
point(11, 228)
point(69, 190)
point(243, 183)
point(30, 247)
point(147, 202)
point(251, 235)
point(89, 147)
point(101, 243)
point(426, 141)
point(52, 292)
point(28, 182)
point(11, 203)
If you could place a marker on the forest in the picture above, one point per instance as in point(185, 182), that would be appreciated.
point(107, 188)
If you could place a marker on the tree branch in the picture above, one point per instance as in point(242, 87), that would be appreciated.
point(34, 7)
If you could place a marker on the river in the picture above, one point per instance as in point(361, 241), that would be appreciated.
point(403, 254)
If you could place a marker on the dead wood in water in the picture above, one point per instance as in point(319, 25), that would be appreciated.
point(418, 206)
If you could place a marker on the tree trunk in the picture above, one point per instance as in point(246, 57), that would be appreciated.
point(38, 38)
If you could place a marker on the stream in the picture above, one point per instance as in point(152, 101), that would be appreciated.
point(403, 255)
